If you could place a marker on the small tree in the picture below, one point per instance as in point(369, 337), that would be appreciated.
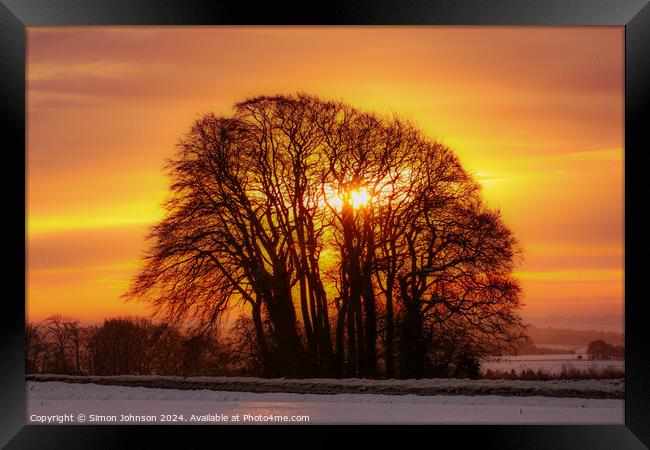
point(122, 346)
point(35, 348)
point(600, 349)
point(64, 337)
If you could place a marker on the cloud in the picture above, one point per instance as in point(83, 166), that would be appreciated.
point(574, 276)
point(85, 248)
point(536, 113)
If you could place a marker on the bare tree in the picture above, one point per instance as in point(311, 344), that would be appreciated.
point(64, 336)
point(35, 348)
point(122, 346)
point(317, 218)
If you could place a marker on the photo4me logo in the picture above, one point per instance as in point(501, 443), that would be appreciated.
point(273, 418)
point(240, 418)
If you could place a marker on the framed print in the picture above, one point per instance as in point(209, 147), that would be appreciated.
point(387, 215)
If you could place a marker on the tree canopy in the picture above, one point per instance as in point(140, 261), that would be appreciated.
point(355, 245)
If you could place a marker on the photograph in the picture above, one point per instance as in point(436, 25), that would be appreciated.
point(325, 225)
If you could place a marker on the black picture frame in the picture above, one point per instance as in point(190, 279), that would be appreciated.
point(634, 15)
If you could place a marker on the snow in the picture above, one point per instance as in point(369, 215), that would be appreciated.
point(430, 386)
point(576, 349)
point(552, 364)
point(54, 398)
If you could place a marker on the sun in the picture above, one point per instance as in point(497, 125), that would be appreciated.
point(359, 198)
point(356, 198)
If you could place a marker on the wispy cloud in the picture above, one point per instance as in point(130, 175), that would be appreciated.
point(536, 113)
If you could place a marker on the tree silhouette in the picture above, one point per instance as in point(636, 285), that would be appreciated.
point(65, 336)
point(342, 233)
point(35, 348)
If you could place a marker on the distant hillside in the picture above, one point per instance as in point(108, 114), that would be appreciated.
point(528, 347)
point(610, 322)
point(560, 336)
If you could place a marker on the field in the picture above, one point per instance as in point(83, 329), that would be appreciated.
point(212, 400)
point(107, 404)
point(551, 364)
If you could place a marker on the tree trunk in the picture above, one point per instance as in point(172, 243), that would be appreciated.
point(371, 328)
point(390, 365)
point(291, 354)
point(304, 309)
point(412, 349)
point(261, 339)
point(340, 337)
point(369, 300)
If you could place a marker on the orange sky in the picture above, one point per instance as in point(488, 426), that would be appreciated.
point(535, 113)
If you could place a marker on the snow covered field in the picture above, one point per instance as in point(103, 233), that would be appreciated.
point(50, 401)
point(591, 389)
point(552, 364)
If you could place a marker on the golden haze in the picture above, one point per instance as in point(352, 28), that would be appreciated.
point(535, 113)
